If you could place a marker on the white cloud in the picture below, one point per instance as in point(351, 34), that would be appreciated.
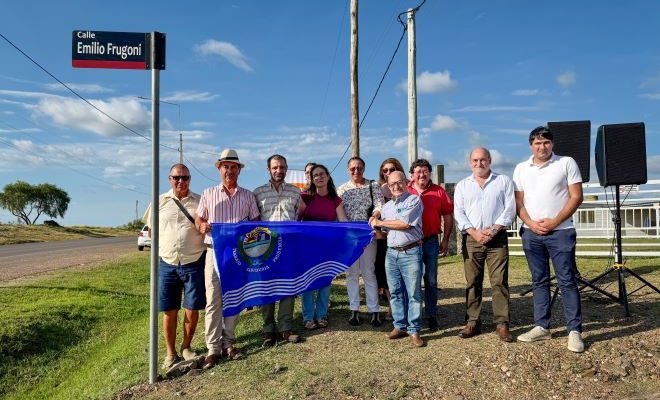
point(202, 124)
point(432, 82)
point(79, 87)
point(493, 108)
point(525, 92)
point(75, 114)
point(226, 50)
point(444, 123)
point(190, 96)
point(651, 96)
point(567, 79)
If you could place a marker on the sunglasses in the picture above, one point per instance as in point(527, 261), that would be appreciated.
point(388, 170)
point(180, 178)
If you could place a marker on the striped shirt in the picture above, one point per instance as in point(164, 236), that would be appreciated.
point(216, 205)
point(278, 206)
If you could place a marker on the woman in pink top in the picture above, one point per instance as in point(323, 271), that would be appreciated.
point(321, 204)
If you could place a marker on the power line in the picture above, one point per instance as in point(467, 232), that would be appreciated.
point(73, 169)
point(334, 58)
point(198, 170)
point(405, 28)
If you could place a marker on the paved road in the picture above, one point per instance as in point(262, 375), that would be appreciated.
point(29, 259)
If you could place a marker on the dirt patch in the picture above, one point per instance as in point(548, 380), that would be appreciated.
point(344, 362)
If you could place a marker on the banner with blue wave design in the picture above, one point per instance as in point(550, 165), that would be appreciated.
point(261, 262)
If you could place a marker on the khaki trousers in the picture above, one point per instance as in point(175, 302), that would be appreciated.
point(219, 330)
point(494, 255)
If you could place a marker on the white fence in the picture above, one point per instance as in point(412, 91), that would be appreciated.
point(640, 221)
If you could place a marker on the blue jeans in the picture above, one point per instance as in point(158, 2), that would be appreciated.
point(558, 245)
point(316, 308)
point(187, 278)
point(404, 277)
point(430, 248)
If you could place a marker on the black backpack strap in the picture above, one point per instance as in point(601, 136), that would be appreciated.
point(184, 211)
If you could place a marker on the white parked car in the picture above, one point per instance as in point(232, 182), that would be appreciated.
point(143, 238)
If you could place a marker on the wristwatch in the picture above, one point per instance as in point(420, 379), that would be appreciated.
point(494, 231)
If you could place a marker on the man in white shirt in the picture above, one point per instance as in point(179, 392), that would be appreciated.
point(548, 190)
point(484, 205)
point(182, 257)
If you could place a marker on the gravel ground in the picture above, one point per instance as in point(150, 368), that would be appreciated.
point(621, 361)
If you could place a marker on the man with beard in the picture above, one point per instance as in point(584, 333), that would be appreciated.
point(278, 201)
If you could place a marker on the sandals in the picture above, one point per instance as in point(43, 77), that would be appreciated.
point(323, 322)
point(310, 325)
point(233, 353)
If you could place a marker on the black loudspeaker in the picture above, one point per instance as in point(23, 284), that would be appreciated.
point(621, 154)
point(573, 139)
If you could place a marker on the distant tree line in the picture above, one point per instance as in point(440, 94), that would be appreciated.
point(28, 202)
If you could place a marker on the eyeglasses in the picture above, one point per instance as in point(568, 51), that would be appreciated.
point(320, 175)
point(397, 183)
point(388, 170)
point(180, 178)
point(353, 169)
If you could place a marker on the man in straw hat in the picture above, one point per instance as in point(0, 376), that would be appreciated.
point(226, 203)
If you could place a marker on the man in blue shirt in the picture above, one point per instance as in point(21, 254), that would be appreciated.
point(402, 219)
point(484, 205)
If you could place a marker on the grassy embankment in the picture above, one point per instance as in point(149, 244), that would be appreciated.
point(85, 335)
point(14, 233)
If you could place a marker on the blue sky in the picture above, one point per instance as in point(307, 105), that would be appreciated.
point(265, 77)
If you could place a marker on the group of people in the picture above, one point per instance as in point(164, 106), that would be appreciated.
point(412, 219)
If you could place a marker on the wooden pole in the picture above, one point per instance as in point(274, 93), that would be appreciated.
point(412, 89)
point(355, 105)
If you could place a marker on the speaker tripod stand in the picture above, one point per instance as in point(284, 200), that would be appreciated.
point(619, 268)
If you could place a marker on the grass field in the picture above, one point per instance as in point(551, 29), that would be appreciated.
point(77, 335)
point(14, 233)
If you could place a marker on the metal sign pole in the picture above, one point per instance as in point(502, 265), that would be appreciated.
point(155, 229)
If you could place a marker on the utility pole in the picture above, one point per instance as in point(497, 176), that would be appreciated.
point(412, 89)
point(180, 147)
point(136, 210)
point(355, 105)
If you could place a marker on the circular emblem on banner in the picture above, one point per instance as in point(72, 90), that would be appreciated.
point(257, 245)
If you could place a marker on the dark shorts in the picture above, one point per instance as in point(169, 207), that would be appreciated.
point(187, 278)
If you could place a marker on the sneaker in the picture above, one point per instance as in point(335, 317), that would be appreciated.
point(188, 354)
point(575, 343)
point(536, 333)
point(170, 361)
point(375, 320)
point(355, 318)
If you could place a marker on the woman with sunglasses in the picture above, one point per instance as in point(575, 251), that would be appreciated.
point(386, 168)
point(321, 204)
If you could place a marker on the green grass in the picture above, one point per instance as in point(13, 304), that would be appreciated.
point(15, 233)
point(75, 335)
point(85, 335)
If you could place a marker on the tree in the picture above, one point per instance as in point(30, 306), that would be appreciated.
point(22, 199)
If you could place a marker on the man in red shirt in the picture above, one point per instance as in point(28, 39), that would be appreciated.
point(436, 218)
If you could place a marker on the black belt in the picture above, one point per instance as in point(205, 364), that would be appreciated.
point(408, 246)
point(209, 245)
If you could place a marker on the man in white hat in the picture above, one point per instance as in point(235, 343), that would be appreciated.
point(226, 203)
